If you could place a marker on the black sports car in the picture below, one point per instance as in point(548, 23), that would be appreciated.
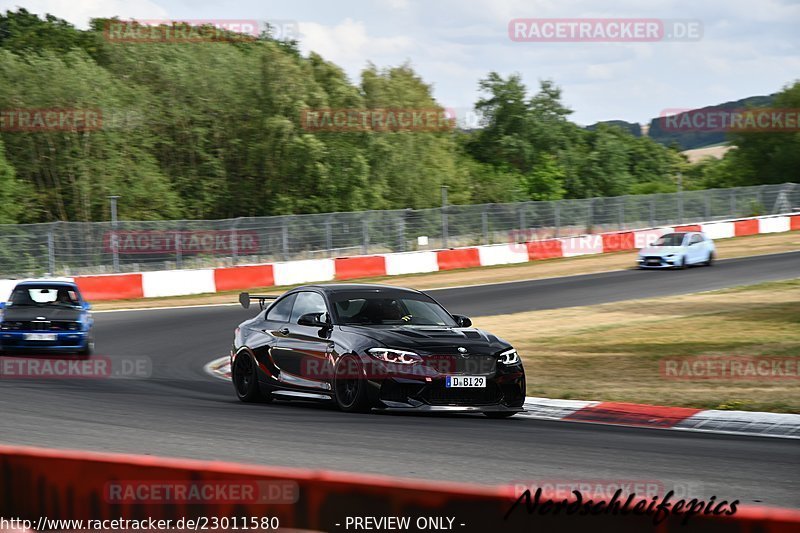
point(373, 347)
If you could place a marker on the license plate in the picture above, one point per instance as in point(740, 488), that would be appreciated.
point(40, 336)
point(465, 381)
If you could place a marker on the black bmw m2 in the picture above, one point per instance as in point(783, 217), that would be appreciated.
point(373, 347)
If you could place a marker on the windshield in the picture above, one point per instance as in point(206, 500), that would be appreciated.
point(670, 239)
point(381, 309)
point(44, 296)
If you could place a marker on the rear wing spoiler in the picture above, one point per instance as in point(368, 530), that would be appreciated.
point(245, 297)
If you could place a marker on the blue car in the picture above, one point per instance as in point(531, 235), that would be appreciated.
point(46, 316)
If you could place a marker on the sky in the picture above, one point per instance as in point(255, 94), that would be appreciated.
point(742, 48)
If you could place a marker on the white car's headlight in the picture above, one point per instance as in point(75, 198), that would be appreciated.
point(509, 357)
point(390, 355)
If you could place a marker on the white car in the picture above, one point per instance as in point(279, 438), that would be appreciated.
point(678, 250)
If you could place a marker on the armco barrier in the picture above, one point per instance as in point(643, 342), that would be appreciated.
point(180, 282)
point(72, 485)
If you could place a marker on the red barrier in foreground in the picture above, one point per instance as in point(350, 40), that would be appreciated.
point(87, 486)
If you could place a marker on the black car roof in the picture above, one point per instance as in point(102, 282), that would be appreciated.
point(331, 288)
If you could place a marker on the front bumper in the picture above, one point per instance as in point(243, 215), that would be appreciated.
point(657, 261)
point(504, 391)
point(64, 342)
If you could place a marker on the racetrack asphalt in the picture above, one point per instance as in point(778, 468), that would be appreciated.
point(181, 411)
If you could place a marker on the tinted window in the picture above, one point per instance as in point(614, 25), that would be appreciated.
point(282, 309)
point(696, 239)
point(307, 302)
point(670, 239)
point(44, 295)
point(387, 309)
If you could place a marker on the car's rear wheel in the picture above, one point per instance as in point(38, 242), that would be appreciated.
point(710, 260)
point(245, 379)
point(350, 386)
point(501, 414)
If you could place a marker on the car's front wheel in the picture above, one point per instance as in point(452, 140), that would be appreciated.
point(245, 379)
point(350, 385)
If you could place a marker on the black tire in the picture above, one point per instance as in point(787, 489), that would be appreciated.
point(710, 261)
point(350, 385)
point(682, 264)
point(87, 350)
point(245, 379)
point(500, 414)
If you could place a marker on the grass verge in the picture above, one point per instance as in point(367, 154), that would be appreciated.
point(614, 351)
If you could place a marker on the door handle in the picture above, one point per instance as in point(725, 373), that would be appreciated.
point(284, 330)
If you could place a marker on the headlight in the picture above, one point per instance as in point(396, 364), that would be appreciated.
point(389, 355)
point(509, 357)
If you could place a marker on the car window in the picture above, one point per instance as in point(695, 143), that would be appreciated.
point(307, 302)
point(282, 309)
point(43, 295)
point(696, 239)
point(670, 239)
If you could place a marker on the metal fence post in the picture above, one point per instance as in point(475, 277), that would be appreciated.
point(621, 211)
point(680, 206)
point(445, 229)
point(178, 250)
point(364, 234)
point(590, 215)
point(485, 226)
point(235, 241)
point(708, 204)
point(557, 216)
point(328, 236)
point(733, 203)
point(51, 249)
point(652, 212)
point(284, 239)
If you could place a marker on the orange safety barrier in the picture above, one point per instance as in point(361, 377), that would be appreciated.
point(111, 287)
point(545, 249)
point(794, 222)
point(688, 227)
point(74, 485)
point(360, 266)
point(243, 277)
point(458, 258)
point(618, 242)
point(746, 227)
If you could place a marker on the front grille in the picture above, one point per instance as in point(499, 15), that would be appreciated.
point(438, 394)
point(42, 325)
point(472, 365)
point(652, 260)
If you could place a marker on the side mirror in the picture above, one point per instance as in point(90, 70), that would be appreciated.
point(313, 320)
point(462, 321)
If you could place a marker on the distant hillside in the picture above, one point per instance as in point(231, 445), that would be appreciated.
point(631, 127)
point(688, 140)
point(684, 139)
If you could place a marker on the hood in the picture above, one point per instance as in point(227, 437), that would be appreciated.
point(26, 313)
point(431, 339)
point(661, 250)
